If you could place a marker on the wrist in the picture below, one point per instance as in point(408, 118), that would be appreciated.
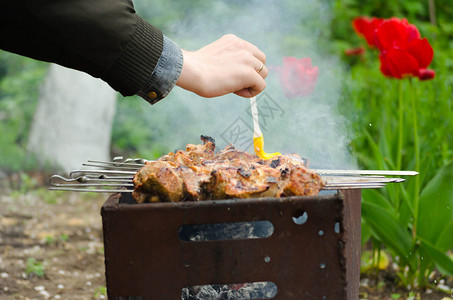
point(190, 76)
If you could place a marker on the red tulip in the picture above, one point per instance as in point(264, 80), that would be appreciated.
point(395, 30)
point(354, 51)
point(298, 76)
point(403, 52)
point(425, 74)
point(365, 26)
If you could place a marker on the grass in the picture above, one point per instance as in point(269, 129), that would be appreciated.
point(34, 267)
point(100, 292)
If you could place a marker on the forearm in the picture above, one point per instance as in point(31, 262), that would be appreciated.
point(106, 39)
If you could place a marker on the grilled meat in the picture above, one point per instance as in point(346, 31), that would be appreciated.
point(198, 173)
point(162, 178)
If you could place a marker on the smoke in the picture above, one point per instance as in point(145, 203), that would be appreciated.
point(310, 126)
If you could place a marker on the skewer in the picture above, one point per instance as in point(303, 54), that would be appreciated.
point(326, 179)
point(327, 187)
point(100, 172)
point(76, 184)
point(125, 167)
point(365, 172)
point(353, 187)
point(137, 163)
point(87, 178)
point(68, 189)
point(92, 185)
point(127, 164)
point(363, 179)
point(120, 174)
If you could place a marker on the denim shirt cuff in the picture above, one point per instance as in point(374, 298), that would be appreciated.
point(165, 74)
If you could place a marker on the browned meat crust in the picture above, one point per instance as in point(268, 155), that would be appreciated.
point(200, 174)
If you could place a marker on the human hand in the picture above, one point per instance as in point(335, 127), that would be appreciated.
point(228, 65)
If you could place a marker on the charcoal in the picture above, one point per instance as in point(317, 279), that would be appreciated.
point(226, 231)
point(254, 290)
point(207, 292)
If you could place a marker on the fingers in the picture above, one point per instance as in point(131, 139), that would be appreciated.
point(240, 43)
point(256, 86)
point(262, 70)
point(257, 54)
point(254, 81)
point(246, 93)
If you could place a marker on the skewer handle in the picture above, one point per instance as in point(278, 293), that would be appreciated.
point(256, 124)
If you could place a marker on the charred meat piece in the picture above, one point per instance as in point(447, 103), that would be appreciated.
point(205, 139)
point(160, 181)
point(200, 174)
point(280, 161)
point(301, 181)
point(194, 155)
point(193, 178)
point(238, 182)
point(231, 153)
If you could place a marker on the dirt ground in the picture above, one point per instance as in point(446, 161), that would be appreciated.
point(51, 246)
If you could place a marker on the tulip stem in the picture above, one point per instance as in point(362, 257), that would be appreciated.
point(417, 161)
point(399, 153)
point(399, 157)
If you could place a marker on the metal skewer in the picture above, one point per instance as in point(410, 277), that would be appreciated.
point(100, 173)
point(117, 175)
point(352, 187)
point(99, 182)
point(365, 172)
point(137, 163)
point(114, 164)
point(68, 189)
point(353, 179)
point(116, 168)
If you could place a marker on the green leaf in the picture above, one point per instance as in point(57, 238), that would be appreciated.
point(384, 225)
point(425, 267)
point(440, 258)
point(377, 198)
point(436, 205)
point(445, 240)
point(366, 232)
point(385, 143)
point(375, 149)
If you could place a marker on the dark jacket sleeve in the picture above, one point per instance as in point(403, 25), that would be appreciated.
point(104, 38)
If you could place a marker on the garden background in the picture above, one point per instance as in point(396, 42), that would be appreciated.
point(368, 121)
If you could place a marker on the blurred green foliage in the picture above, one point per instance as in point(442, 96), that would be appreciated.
point(34, 267)
point(19, 86)
point(132, 135)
